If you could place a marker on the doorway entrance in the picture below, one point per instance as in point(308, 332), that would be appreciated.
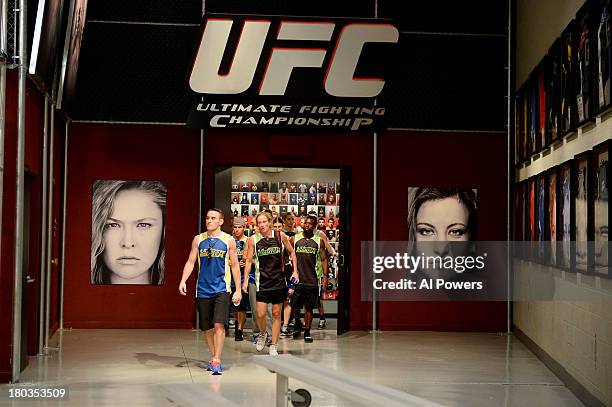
point(244, 191)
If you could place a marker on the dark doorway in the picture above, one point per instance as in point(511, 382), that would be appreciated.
point(243, 191)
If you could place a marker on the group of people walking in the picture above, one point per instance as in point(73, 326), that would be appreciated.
point(280, 266)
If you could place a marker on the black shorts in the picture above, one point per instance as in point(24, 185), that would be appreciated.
point(243, 306)
point(213, 310)
point(307, 297)
point(272, 296)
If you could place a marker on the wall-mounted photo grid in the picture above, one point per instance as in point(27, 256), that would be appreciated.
point(568, 205)
point(321, 199)
point(571, 84)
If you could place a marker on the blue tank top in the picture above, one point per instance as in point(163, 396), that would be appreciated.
point(214, 272)
point(240, 248)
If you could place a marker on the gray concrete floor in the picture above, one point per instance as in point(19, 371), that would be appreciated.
point(124, 367)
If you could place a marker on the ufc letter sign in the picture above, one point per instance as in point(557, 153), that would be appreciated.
point(266, 56)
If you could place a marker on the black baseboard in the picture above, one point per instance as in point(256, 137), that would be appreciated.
point(572, 384)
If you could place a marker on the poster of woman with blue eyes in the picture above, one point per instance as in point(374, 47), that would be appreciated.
point(128, 228)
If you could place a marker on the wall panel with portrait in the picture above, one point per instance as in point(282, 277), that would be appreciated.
point(447, 214)
point(601, 210)
point(128, 230)
point(583, 218)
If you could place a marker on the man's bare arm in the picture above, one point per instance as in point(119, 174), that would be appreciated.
point(188, 268)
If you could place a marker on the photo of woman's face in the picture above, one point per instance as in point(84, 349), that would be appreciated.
point(442, 220)
point(132, 236)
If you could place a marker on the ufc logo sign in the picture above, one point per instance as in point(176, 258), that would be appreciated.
point(258, 41)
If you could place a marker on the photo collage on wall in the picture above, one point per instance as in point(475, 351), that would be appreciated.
point(568, 204)
point(570, 86)
point(321, 199)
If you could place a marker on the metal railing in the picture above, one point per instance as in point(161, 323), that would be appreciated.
point(357, 392)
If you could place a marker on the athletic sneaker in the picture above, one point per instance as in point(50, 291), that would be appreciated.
point(261, 341)
point(209, 365)
point(273, 350)
point(285, 330)
point(321, 324)
point(238, 337)
point(296, 334)
point(216, 368)
point(307, 337)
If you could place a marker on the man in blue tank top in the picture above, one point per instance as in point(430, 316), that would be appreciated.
point(215, 252)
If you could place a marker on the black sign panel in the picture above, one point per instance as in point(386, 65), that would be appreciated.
point(291, 72)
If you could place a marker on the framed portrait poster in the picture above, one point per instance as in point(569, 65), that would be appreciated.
point(568, 74)
point(603, 73)
point(552, 215)
point(127, 232)
point(553, 77)
point(542, 217)
point(518, 153)
point(534, 139)
point(601, 210)
point(583, 216)
point(542, 96)
point(585, 57)
point(565, 214)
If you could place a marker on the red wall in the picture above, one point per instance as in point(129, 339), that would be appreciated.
point(34, 124)
point(169, 154)
point(413, 159)
point(322, 150)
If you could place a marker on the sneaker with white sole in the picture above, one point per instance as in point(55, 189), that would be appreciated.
point(261, 341)
point(273, 350)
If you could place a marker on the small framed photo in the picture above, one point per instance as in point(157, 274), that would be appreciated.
point(583, 215)
point(284, 198)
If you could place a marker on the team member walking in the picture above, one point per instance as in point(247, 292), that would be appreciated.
point(248, 301)
point(265, 250)
point(290, 230)
point(311, 261)
point(215, 252)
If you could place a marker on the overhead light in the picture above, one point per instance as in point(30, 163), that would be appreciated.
point(271, 169)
